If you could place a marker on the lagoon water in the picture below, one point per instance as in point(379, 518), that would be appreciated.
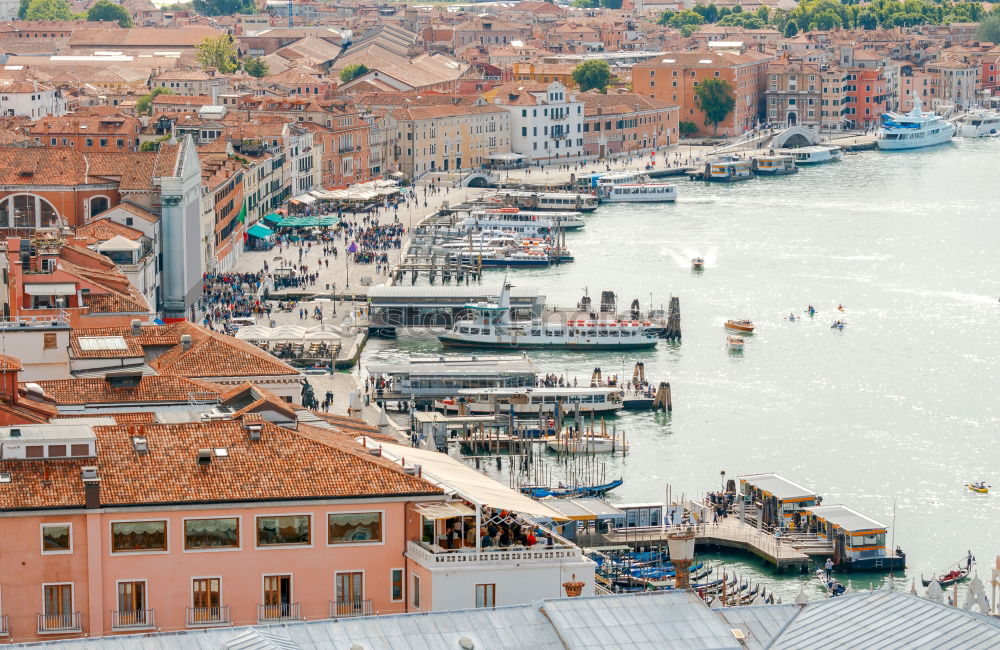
point(898, 410)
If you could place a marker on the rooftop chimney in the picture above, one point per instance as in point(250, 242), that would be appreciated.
point(136, 327)
point(91, 487)
point(204, 457)
point(186, 342)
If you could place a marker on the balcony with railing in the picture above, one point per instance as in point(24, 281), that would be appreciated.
point(278, 612)
point(208, 616)
point(137, 619)
point(432, 555)
point(4, 627)
point(350, 608)
point(67, 623)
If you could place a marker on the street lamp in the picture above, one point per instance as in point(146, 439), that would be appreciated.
point(723, 473)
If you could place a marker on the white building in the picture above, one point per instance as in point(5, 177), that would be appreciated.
point(546, 121)
point(304, 158)
point(28, 98)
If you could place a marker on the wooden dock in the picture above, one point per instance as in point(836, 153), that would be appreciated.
point(728, 533)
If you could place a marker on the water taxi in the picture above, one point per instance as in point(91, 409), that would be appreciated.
point(979, 124)
point(532, 402)
point(735, 342)
point(740, 325)
point(698, 263)
point(630, 187)
point(548, 200)
point(490, 326)
point(913, 130)
point(816, 154)
point(775, 165)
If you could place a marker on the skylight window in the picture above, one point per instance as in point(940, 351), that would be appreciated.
point(221, 452)
point(5, 477)
point(93, 343)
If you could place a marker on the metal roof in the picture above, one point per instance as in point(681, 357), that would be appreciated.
point(886, 620)
point(778, 485)
point(759, 623)
point(847, 518)
point(656, 620)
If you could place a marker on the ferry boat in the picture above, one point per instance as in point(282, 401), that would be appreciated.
point(425, 380)
point(630, 187)
point(821, 153)
point(549, 200)
point(775, 165)
point(726, 169)
point(979, 124)
point(530, 402)
point(491, 326)
point(507, 258)
point(514, 216)
point(913, 130)
point(745, 326)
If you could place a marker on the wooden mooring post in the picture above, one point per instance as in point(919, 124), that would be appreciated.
point(673, 332)
point(662, 401)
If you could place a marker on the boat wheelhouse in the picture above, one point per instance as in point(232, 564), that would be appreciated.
point(489, 325)
point(425, 380)
point(814, 155)
point(549, 200)
point(861, 540)
point(530, 402)
point(775, 165)
point(913, 130)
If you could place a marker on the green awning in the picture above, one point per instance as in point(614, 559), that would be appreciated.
point(272, 218)
point(307, 222)
point(259, 230)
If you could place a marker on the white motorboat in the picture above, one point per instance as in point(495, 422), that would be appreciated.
point(913, 130)
point(820, 153)
point(735, 342)
point(490, 326)
point(530, 402)
point(631, 187)
point(979, 124)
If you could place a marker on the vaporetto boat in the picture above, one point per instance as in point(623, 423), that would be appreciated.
point(913, 130)
point(548, 200)
point(630, 187)
point(820, 153)
point(490, 326)
point(530, 402)
point(512, 217)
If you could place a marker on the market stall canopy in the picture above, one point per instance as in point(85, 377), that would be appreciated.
point(467, 482)
point(304, 198)
point(272, 218)
point(259, 230)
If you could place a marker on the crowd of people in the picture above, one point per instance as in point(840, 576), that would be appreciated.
point(499, 529)
point(225, 296)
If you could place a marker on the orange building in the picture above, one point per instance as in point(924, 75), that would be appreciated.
point(545, 73)
point(867, 97)
point(675, 77)
point(88, 133)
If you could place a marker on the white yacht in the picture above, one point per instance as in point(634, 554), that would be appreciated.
point(913, 130)
point(979, 124)
point(631, 187)
point(820, 153)
point(490, 326)
point(530, 402)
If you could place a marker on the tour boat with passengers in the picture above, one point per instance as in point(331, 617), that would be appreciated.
point(816, 154)
point(913, 130)
point(490, 325)
point(567, 220)
point(979, 124)
point(548, 200)
point(631, 187)
point(531, 402)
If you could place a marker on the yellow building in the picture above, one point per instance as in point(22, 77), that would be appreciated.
point(545, 73)
point(449, 138)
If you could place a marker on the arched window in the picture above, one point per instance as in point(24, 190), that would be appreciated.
point(99, 204)
point(27, 211)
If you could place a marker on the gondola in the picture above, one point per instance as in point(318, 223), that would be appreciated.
point(950, 578)
point(540, 492)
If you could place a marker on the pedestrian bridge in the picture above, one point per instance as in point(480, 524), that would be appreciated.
point(795, 136)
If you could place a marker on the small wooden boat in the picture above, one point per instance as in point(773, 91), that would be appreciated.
point(740, 325)
point(838, 325)
point(950, 578)
point(735, 342)
point(975, 488)
point(698, 263)
point(831, 585)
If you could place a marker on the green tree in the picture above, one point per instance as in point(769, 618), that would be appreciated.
point(668, 14)
point(791, 29)
point(709, 12)
point(764, 14)
point(255, 66)
point(48, 10)
point(224, 7)
point(827, 20)
point(687, 128)
point(109, 12)
point(686, 17)
point(592, 74)
point(715, 97)
point(218, 52)
point(22, 9)
point(144, 103)
point(353, 71)
point(989, 29)
point(867, 20)
point(586, 4)
point(687, 30)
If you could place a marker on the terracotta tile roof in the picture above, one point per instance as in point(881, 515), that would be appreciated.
point(151, 389)
point(446, 110)
point(45, 166)
point(10, 364)
point(112, 303)
point(26, 411)
point(164, 38)
point(104, 229)
point(138, 417)
point(112, 125)
point(283, 464)
point(354, 427)
point(217, 355)
point(137, 211)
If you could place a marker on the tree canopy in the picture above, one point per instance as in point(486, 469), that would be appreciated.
point(592, 75)
point(224, 7)
point(687, 128)
point(144, 103)
point(218, 52)
point(48, 10)
point(715, 97)
point(109, 12)
point(989, 29)
point(353, 71)
point(255, 66)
